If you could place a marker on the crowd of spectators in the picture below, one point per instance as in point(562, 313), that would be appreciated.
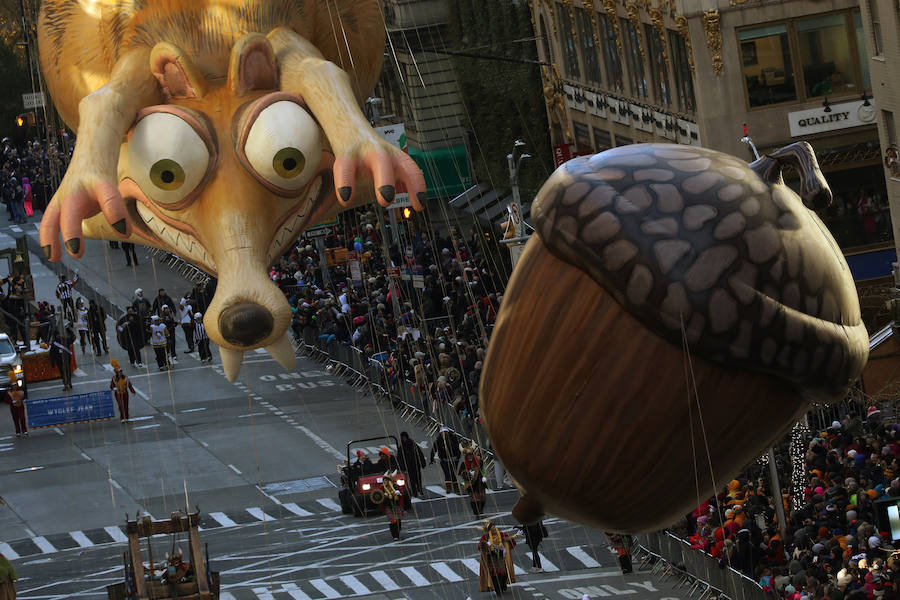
point(436, 335)
point(836, 543)
point(29, 175)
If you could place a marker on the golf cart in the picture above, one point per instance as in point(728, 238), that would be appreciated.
point(361, 483)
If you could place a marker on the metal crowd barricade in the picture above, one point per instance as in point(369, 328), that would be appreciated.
point(698, 573)
point(369, 375)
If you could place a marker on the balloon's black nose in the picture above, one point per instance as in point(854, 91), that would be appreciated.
point(245, 324)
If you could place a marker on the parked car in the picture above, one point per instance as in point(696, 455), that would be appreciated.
point(10, 360)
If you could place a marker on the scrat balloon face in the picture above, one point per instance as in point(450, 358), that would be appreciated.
point(236, 124)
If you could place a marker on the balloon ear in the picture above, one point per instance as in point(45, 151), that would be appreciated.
point(252, 65)
point(176, 73)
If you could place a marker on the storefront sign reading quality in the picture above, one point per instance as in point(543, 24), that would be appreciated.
point(840, 116)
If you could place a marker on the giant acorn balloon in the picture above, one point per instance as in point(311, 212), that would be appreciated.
point(674, 314)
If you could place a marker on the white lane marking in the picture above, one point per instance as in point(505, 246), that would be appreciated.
point(138, 391)
point(583, 556)
point(108, 367)
point(545, 564)
point(115, 533)
point(190, 410)
point(437, 490)
point(259, 514)
point(354, 584)
point(222, 520)
point(81, 539)
point(472, 564)
point(384, 581)
point(235, 469)
point(42, 543)
point(8, 552)
point(329, 503)
point(445, 571)
point(323, 587)
point(263, 594)
point(226, 596)
point(144, 418)
point(322, 443)
point(294, 591)
point(297, 510)
point(85, 456)
point(25, 469)
point(252, 415)
point(415, 576)
point(148, 426)
point(16, 228)
point(115, 484)
point(260, 350)
point(374, 450)
point(79, 373)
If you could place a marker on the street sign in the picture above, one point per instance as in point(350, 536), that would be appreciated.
point(317, 233)
point(35, 100)
point(393, 271)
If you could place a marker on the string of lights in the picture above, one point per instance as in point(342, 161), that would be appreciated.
point(797, 450)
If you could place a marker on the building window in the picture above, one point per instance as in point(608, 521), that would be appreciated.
point(766, 60)
point(611, 57)
point(684, 80)
point(582, 138)
point(545, 42)
point(890, 129)
point(602, 140)
point(589, 53)
point(826, 56)
point(632, 48)
point(570, 51)
point(861, 49)
point(876, 26)
point(621, 140)
point(659, 74)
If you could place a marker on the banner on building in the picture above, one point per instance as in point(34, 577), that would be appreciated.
point(74, 408)
point(562, 153)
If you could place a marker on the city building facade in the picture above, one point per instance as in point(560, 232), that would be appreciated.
point(697, 72)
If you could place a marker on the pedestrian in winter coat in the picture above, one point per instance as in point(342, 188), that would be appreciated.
point(446, 446)
point(534, 535)
point(412, 461)
point(96, 319)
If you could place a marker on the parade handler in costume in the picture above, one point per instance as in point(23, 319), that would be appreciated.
point(392, 505)
point(241, 120)
point(497, 569)
point(7, 579)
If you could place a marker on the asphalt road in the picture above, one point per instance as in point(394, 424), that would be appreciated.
point(259, 458)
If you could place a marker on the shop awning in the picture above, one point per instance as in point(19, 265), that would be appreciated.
point(446, 170)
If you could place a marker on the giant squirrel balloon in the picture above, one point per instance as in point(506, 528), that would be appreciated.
point(674, 314)
point(237, 119)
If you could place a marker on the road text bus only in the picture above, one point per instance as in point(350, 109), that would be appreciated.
point(299, 385)
point(599, 591)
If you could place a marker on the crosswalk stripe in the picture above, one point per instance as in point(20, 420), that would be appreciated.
point(259, 514)
point(263, 594)
point(382, 578)
point(294, 591)
point(222, 520)
point(445, 571)
point(354, 584)
point(373, 450)
point(108, 367)
point(11, 554)
point(545, 564)
point(81, 539)
point(323, 587)
point(42, 543)
point(329, 503)
point(472, 564)
point(297, 510)
point(583, 556)
point(415, 576)
point(260, 350)
point(79, 373)
point(226, 596)
point(115, 533)
point(437, 490)
point(518, 570)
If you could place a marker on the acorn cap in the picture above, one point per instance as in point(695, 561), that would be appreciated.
point(689, 238)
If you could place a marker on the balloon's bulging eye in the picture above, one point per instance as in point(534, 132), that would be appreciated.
point(167, 158)
point(283, 146)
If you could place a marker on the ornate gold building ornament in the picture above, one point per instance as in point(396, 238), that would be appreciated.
point(555, 96)
point(595, 31)
point(659, 24)
point(571, 8)
point(635, 18)
point(610, 7)
point(681, 23)
point(672, 8)
point(713, 30)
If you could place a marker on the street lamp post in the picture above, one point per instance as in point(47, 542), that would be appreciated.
point(514, 208)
